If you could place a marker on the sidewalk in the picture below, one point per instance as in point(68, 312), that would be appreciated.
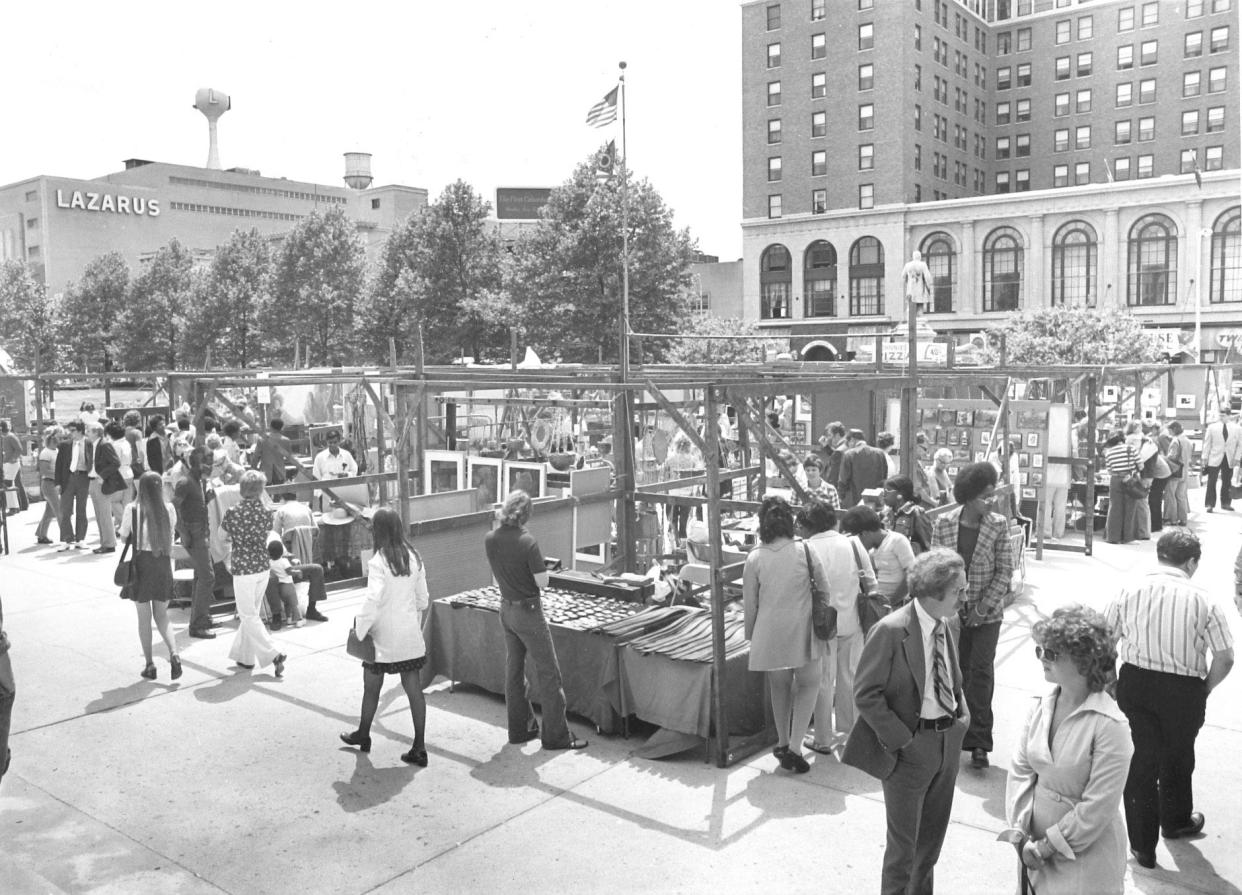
point(228, 781)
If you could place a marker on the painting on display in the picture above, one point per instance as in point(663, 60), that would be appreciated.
point(529, 477)
point(484, 476)
point(444, 471)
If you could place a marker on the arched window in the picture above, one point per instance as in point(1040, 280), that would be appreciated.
point(1226, 282)
point(941, 260)
point(1152, 265)
point(775, 283)
point(1002, 270)
point(1074, 265)
point(819, 284)
point(866, 277)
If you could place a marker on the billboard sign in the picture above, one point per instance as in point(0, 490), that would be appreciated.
point(520, 203)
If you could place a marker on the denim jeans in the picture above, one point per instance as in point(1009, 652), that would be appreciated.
point(526, 632)
point(51, 509)
point(977, 653)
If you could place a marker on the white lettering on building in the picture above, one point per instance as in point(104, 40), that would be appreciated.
point(87, 201)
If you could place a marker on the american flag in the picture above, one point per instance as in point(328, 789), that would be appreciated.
point(605, 111)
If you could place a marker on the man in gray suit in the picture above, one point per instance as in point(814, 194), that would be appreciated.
point(862, 467)
point(912, 718)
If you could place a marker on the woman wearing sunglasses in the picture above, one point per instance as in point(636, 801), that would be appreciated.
point(1063, 799)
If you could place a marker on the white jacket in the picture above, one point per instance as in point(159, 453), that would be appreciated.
point(392, 611)
point(1217, 447)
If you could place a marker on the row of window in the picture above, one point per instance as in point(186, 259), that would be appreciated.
point(256, 190)
point(819, 12)
point(1149, 11)
point(819, 162)
point(1151, 269)
point(235, 212)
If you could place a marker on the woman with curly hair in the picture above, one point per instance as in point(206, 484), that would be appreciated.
point(1063, 798)
point(776, 599)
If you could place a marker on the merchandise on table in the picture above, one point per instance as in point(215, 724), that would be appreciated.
point(678, 632)
point(581, 612)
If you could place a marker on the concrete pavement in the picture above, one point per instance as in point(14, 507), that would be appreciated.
point(227, 781)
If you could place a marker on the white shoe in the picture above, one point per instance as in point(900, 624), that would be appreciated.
point(64, 545)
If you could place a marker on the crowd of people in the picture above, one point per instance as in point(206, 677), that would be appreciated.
point(1149, 467)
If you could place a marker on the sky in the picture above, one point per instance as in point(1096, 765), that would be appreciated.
point(492, 92)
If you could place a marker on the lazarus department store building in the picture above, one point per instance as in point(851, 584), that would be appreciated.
point(59, 224)
point(1045, 153)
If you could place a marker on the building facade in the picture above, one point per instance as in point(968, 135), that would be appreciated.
point(1037, 153)
point(59, 224)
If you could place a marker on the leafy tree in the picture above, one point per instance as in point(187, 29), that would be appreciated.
point(90, 310)
point(320, 276)
point(151, 329)
point(1076, 336)
point(235, 292)
point(443, 268)
point(28, 319)
point(567, 279)
point(717, 351)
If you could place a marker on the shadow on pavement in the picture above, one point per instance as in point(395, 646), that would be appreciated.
point(370, 786)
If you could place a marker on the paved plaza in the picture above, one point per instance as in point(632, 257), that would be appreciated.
point(227, 781)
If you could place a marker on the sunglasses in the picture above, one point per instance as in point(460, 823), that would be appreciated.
point(1047, 655)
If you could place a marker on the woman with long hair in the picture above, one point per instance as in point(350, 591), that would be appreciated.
point(150, 520)
point(247, 525)
point(393, 614)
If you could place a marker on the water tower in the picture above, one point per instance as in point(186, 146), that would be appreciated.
point(213, 104)
point(358, 170)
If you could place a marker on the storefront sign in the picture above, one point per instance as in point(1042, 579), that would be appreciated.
point(520, 204)
point(897, 352)
point(1229, 338)
point(82, 200)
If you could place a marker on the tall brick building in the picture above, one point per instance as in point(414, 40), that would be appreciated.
point(872, 128)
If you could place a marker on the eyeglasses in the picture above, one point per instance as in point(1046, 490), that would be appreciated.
point(1047, 655)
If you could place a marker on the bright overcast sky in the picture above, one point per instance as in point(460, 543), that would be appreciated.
point(490, 91)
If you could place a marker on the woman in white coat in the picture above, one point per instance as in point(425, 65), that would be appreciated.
point(1063, 798)
point(392, 614)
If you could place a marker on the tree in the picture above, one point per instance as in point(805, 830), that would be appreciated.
point(151, 329)
point(27, 318)
point(90, 310)
point(320, 276)
point(567, 288)
point(441, 268)
point(717, 351)
point(1076, 336)
point(235, 292)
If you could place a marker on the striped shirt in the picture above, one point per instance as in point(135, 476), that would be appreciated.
point(1165, 623)
point(1121, 460)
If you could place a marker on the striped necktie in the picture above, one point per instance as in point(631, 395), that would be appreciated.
point(940, 671)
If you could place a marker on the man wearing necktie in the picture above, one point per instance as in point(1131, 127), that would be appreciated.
point(912, 718)
point(74, 459)
point(1222, 442)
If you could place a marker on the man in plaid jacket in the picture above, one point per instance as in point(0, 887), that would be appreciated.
point(981, 538)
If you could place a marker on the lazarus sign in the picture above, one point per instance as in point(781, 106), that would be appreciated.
point(87, 201)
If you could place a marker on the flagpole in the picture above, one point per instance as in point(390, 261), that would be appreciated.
point(625, 241)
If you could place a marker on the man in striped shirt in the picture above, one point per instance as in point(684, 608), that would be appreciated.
point(1165, 628)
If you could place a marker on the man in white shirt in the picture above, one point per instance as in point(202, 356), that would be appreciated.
point(1165, 628)
point(334, 462)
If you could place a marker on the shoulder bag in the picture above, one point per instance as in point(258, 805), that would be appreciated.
point(872, 605)
point(823, 616)
point(363, 649)
point(126, 575)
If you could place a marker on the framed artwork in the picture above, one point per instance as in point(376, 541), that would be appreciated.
point(1037, 478)
point(444, 471)
point(1029, 494)
point(1023, 478)
point(965, 417)
point(948, 417)
point(951, 437)
point(964, 436)
point(529, 477)
point(980, 456)
point(483, 475)
point(962, 455)
point(1109, 394)
point(1032, 439)
point(1032, 419)
point(986, 417)
point(939, 436)
point(1024, 459)
point(985, 438)
point(1185, 402)
point(1037, 461)
point(952, 471)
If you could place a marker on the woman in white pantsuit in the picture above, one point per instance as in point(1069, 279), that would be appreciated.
point(247, 526)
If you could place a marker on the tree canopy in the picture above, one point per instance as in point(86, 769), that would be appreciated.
point(1077, 336)
point(567, 279)
point(27, 318)
point(717, 351)
point(149, 334)
point(233, 297)
point(90, 310)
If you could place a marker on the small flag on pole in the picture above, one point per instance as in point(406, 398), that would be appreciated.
point(1194, 160)
point(606, 162)
point(605, 111)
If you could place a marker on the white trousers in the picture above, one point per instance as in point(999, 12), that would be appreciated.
point(252, 645)
point(836, 688)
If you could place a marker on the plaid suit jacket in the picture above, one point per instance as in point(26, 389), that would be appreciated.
point(991, 568)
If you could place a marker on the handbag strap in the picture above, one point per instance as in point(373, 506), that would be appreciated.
point(858, 564)
point(132, 540)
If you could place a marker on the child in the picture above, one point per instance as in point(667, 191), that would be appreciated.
point(282, 568)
